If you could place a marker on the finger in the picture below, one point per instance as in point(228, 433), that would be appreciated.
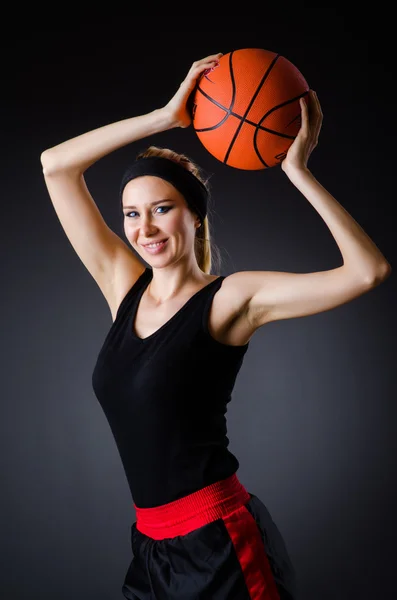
point(200, 67)
point(318, 106)
point(318, 111)
point(212, 57)
point(317, 118)
point(205, 61)
point(312, 111)
point(204, 66)
point(304, 116)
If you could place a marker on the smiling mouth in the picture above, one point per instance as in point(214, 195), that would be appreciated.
point(158, 242)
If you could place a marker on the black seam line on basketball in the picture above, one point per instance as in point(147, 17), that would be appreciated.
point(233, 114)
point(233, 82)
point(229, 110)
point(258, 154)
point(266, 75)
point(257, 125)
point(293, 120)
point(256, 149)
point(257, 130)
point(297, 98)
point(289, 101)
point(248, 122)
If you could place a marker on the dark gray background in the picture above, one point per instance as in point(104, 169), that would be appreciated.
point(313, 416)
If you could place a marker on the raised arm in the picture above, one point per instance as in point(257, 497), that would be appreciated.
point(268, 295)
point(79, 153)
point(104, 254)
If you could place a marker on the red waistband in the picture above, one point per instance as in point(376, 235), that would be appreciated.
point(186, 514)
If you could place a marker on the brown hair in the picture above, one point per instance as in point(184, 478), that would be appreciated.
point(205, 249)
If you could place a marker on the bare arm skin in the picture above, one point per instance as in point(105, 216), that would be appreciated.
point(268, 295)
point(104, 254)
point(77, 154)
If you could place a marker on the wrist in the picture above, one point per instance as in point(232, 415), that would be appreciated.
point(294, 172)
point(166, 117)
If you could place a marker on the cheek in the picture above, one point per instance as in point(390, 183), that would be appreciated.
point(129, 228)
point(175, 223)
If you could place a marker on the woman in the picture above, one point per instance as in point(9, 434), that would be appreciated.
point(168, 365)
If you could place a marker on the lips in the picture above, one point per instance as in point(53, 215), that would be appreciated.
point(157, 249)
point(156, 242)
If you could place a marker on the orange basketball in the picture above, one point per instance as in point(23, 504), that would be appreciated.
point(246, 111)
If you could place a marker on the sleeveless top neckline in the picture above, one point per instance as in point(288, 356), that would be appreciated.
point(133, 312)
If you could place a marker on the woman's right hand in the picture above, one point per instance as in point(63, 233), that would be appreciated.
point(177, 108)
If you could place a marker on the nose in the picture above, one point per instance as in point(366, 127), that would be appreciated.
point(147, 227)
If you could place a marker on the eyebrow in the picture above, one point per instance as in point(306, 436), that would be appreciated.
point(151, 203)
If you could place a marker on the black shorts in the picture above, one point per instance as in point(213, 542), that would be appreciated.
point(219, 543)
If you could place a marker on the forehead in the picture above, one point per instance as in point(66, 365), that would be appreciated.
point(149, 188)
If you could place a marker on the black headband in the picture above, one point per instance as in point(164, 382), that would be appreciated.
point(193, 190)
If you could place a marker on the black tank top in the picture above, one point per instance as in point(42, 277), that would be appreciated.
point(165, 398)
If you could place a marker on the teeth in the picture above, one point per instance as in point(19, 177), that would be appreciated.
point(154, 245)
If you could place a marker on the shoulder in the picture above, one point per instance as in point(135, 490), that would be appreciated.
point(233, 292)
point(229, 321)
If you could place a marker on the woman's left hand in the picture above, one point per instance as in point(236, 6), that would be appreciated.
point(307, 138)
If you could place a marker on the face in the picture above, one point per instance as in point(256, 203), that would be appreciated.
point(154, 210)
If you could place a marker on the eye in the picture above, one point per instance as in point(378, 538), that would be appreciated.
point(167, 208)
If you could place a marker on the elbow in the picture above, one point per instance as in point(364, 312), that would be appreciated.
point(380, 275)
point(47, 162)
point(45, 156)
point(52, 164)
